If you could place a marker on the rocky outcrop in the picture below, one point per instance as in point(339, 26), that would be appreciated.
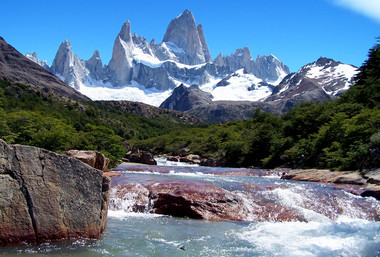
point(185, 98)
point(46, 196)
point(186, 41)
point(16, 67)
point(95, 159)
point(143, 157)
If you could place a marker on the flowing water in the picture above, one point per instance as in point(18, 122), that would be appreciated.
point(323, 221)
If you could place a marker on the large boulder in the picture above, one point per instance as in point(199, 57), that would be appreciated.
point(196, 200)
point(95, 159)
point(143, 157)
point(180, 199)
point(45, 196)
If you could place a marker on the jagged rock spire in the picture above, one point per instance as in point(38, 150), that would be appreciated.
point(63, 56)
point(120, 66)
point(125, 32)
point(183, 32)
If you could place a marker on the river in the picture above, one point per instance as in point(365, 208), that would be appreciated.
point(282, 218)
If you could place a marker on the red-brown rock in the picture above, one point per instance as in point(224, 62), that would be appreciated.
point(180, 199)
point(196, 200)
point(95, 159)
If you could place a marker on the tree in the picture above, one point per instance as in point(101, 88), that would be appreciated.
point(366, 89)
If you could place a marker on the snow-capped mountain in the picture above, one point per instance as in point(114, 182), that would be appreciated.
point(69, 67)
point(268, 68)
point(239, 86)
point(317, 81)
point(34, 57)
point(148, 72)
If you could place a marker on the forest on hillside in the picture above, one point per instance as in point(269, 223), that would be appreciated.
point(343, 134)
point(31, 117)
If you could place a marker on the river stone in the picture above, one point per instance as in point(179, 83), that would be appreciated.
point(46, 196)
point(93, 158)
point(373, 176)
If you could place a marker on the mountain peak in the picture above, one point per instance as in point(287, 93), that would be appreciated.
point(184, 33)
point(186, 14)
point(125, 32)
point(66, 44)
point(323, 61)
point(96, 55)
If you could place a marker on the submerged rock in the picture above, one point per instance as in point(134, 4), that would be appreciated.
point(45, 196)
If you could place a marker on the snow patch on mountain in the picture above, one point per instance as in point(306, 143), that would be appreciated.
point(174, 48)
point(332, 75)
point(133, 92)
point(239, 87)
point(146, 59)
point(281, 75)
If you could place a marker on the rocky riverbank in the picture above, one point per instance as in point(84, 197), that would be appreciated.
point(353, 182)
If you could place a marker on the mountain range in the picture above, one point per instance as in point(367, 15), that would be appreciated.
point(173, 73)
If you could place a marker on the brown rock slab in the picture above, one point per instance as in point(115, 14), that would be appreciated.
point(325, 176)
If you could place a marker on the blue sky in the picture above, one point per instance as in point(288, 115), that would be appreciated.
point(296, 31)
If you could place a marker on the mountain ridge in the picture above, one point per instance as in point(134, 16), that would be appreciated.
point(148, 72)
point(164, 66)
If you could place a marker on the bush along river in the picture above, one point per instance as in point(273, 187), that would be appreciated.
point(169, 210)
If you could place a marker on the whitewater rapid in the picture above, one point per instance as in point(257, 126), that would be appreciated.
point(333, 222)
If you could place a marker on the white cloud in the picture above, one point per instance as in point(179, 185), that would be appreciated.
point(370, 8)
